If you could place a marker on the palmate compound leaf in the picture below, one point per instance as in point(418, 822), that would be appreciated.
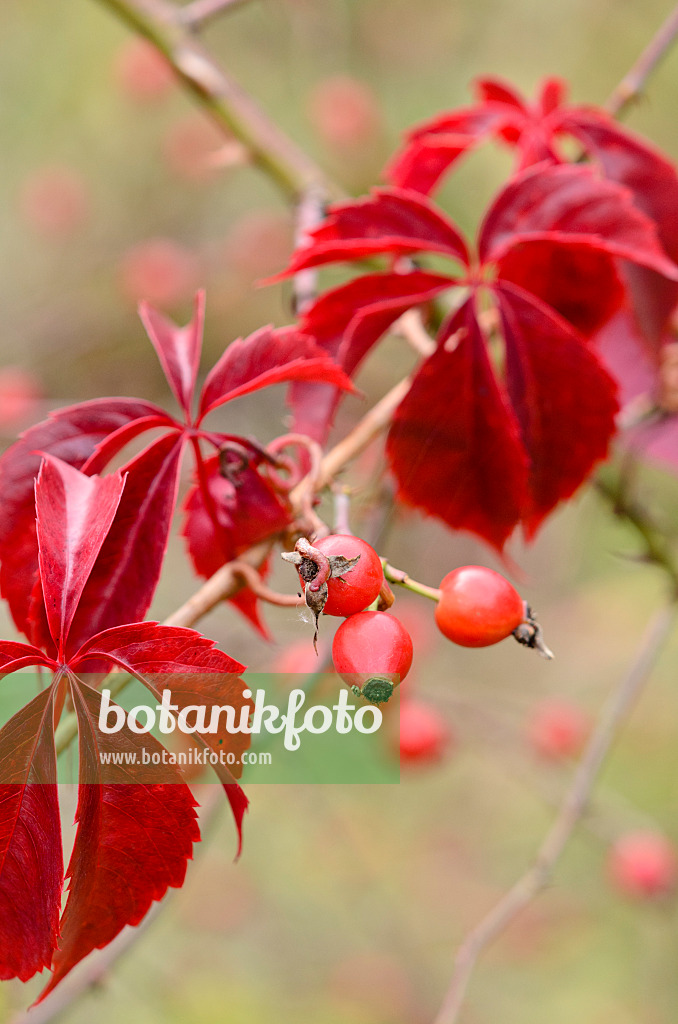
point(535, 130)
point(88, 436)
point(135, 832)
point(487, 457)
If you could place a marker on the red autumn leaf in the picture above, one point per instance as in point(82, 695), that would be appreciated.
point(389, 221)
point(581, 284)
point(14, 656)
point(31, 863)
point(133, 840)
point(454, 444)
point(535, 130)
point(562, 396)
point(432, 149)
point(135, 834)
point(85, 507)
point(125, 575)
point(178, 348)
point(196, 673)
point(571, 204)
point(231, 517)
point(429, 150)
point(652, 178)
point(71, 434)
point(347, 322)
point(269, 356)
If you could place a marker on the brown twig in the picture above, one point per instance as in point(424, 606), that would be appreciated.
point(221, 97)
point(632, 84)
point(571, 810)
point(365, 431)
point(254, 582)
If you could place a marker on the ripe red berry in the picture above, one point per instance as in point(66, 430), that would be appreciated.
point(424, 734)
point(361, 585)
point(372, 652)
point(478, 607)
point(643, 864)
point(557, 729)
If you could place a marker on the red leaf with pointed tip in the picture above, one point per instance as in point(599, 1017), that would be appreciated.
point(74, 515)
point(126, 573)
point(132, 843)
point(571, 205)
point(31, 864)
point(563, 397)
point(393, 221)
point(431, 149)
point(492, 89)
point(178, 348)
point(119, 439)
point(196, 673)
point(269, 356)
point(454, 444)
point(72, 435)
point(434, 147)
point(581, 284)
point(14, 656)
point(347, 322)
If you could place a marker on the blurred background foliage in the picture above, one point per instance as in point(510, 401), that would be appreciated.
point(348, 901)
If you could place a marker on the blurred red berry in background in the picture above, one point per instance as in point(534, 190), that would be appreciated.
point(192, 148)
point(160, 271)
point(258, 243)
point(344, 112)
point(643, 865)
point(54, 201)
point(557, 729)
point(425, 736)
point(20, 395)
point(141, 72)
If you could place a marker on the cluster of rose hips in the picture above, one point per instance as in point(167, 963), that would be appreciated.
point(372, 651)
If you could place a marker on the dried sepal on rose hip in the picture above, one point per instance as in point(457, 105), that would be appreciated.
point(478, 607)
point(324, 569)
point(372, 652)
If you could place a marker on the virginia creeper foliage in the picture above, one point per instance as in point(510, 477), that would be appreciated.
point(558, 311)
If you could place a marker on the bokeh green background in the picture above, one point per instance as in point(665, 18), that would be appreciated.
point(349, 901)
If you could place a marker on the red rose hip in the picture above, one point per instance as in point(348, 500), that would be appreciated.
point(372, 652)
point(478, 607)
point(361, 585)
